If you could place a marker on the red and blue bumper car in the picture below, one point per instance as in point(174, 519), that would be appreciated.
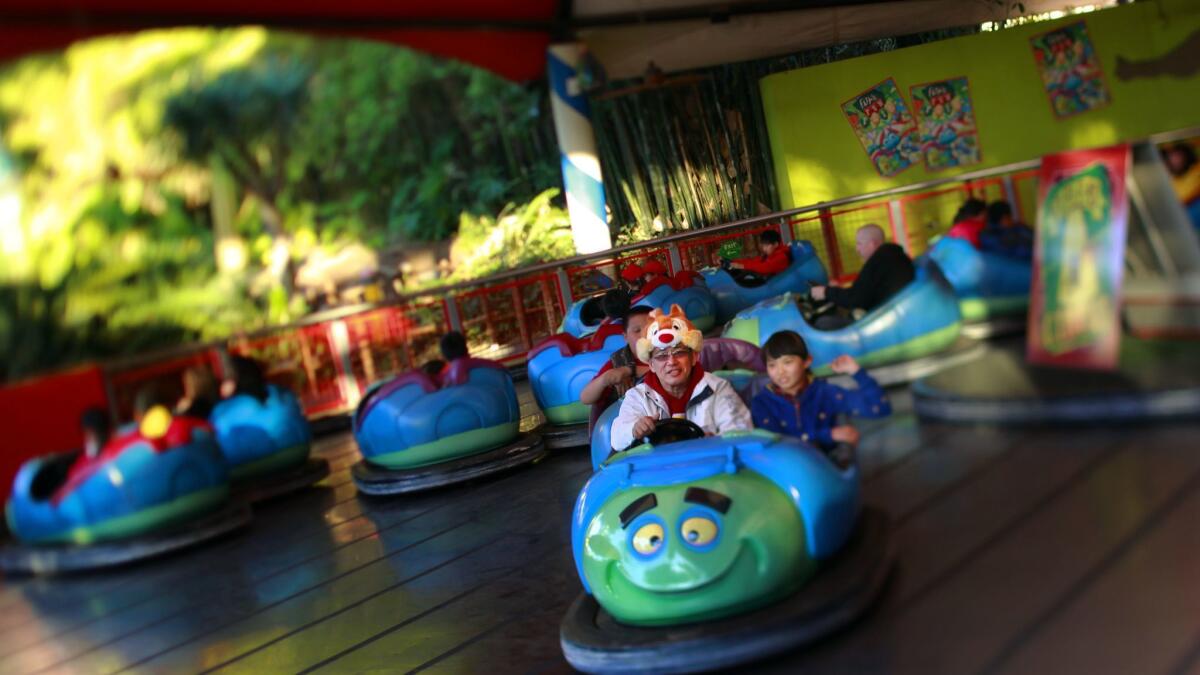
point(266, 444)
point(559, 368)
point(735, 290)
point(686, 289)
point(141, 496)
point(417, 432)
point(989, 286)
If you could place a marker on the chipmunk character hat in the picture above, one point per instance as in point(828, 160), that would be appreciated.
point(667, 330)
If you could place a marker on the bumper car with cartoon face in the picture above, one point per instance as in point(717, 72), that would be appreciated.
point(266, 444)
point(416, 432)
point(559, 368)
point(735, 290)
point(149, 491)
point(704, 553)
point(896, 341)
point(990, 287)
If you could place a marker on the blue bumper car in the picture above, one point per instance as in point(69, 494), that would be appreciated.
point(686, 289)
point(702, 553)
point(584, 317)
point(141, 496)
point(921, 320)
point(559, 368)
point(988, 285)
point(417, 432)
point(266, 444)
point(735, 290)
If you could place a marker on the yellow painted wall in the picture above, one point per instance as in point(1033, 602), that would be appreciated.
point(818, 157)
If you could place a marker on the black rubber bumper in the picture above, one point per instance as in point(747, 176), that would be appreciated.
point(379, 481)
point(844, 588)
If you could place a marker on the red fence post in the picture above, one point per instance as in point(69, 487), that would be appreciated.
point(829, 233)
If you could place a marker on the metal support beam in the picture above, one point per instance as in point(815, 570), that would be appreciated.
point(676, 259)
point(899, 227)
point(564, 288)
point(453, 317)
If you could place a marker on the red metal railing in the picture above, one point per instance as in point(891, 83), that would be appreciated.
point(330, 362)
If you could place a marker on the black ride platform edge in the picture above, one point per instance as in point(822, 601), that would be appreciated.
point(1143, 406)
point(270, 486)
point(379, 481)
point(566, 435)
point(842, 590)
point(1155, 380)
point(1001, 326)
point(19, 558)
point(962, 351)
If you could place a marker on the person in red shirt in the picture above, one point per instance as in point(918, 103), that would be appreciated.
point(653, 269)
point(631, 277)
point(970, 221)
point(774, 258)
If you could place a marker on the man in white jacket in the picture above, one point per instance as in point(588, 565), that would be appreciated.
point(676, 385)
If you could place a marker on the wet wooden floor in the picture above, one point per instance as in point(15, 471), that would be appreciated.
point(1039, 551)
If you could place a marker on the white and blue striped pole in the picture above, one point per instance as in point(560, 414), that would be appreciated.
point(577, 150)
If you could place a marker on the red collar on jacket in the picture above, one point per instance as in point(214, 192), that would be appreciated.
point(676, 405)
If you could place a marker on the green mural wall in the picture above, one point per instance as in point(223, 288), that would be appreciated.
point(818, 157)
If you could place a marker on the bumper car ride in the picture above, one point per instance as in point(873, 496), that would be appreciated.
point(735, 294)
point(140, 497)
point(416, 433)
point(560, 367)
point(704, 553)
point(267, 443)
point(920, 320)
point(988, 285)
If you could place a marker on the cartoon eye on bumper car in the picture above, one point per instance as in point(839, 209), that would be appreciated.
point(737, 361)
point(921, 320)
point(705, 553)
point(266, 444)
point(559, 368)
point(142, 496)
point(735, 290)
point(989, 285)
point(416, 433)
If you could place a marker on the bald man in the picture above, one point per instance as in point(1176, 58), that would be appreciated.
point(886, 269)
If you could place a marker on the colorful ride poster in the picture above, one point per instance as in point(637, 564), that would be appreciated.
point(1079, 258)
point(946, 120)
point(885, 128)
point(1070, 70)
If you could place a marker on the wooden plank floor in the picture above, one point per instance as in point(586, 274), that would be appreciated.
point(1055, 551)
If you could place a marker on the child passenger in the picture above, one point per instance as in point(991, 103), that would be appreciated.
point(797, 404)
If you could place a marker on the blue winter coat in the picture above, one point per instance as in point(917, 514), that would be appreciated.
point(813, 414)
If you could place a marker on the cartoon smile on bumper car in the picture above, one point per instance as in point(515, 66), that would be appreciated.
point(684, 553)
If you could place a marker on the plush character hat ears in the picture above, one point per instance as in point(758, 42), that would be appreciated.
point(668, 330)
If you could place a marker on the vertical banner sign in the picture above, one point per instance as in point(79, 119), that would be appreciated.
point(884, 127)
point(1070, 70)
point(1079, 257)
point(946, 120)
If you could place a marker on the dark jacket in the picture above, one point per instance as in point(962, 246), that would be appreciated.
point(887, 271)
point(813, 414)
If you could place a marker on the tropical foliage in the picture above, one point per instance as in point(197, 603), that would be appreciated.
point(166, 186)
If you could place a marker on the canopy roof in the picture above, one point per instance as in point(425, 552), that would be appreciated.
point(510, 38)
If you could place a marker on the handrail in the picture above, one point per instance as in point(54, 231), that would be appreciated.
point(447, 289)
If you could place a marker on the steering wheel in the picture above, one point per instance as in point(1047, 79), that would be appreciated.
point(811, 309)
point(671, 431)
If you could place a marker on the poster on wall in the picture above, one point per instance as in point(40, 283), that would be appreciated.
point(946, 122)
point(1078, 259)
point(1070, 70)
point(884, 126)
